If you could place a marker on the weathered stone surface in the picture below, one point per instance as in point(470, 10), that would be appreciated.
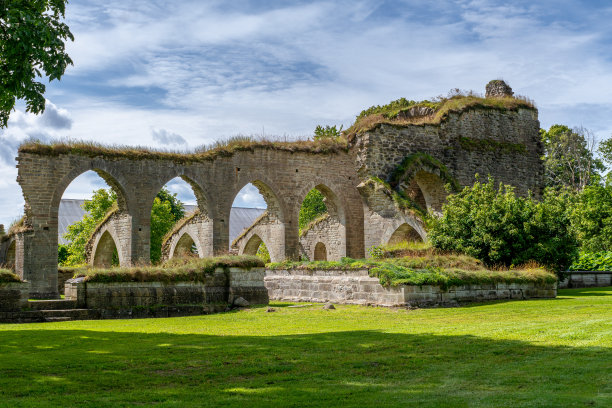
point(498, 89)
point(586, 279)
point(241, 302)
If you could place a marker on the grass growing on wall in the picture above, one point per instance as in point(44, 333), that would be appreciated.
point(173, 270)
point(428, 268)
point(537, 353)
point(7, 276)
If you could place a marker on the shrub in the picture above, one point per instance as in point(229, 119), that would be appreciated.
point(593, 261)
point(592, 218)
point(500, 228)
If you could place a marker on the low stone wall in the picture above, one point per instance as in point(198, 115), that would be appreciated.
point(357, 287)
point(141, 299)
point(14, 295)
point(586, 279)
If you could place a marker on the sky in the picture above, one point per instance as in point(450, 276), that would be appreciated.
point(183, 74)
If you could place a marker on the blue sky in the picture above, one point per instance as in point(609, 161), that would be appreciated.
point(182, 74)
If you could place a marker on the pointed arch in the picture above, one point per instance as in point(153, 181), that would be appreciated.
point(320, 252)
point(106, 250)
point(184, 246)
point(252, 245)
point(404, 233)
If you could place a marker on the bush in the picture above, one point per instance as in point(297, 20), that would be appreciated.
point(593, 261)
point(592, 218)
point(500, 228)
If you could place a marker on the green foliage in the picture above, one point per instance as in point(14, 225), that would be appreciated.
point(592, 217)
point(393, 108)
point(327, 132)
point(605, 150)
point(313, 206)
point(32, 45)
point(166, 211)
point(263, 253)
point(593, 261)
point(62, 254)
point(173, 270)
point(499, 228)
point(102, 202)
point(7, 276)
point(437, 270)
point(568, 157)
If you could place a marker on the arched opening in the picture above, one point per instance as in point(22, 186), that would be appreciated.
point(180, 199)
point(321, 220)
point(88, 201)
point(432, 190)
point(414, 192)
point(106, 254)
point(256, 212)
point(185, 247)
point(404, 233)
point(320, 252)
point(10, 255)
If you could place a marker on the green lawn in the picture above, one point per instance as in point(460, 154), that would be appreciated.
point(541, 353)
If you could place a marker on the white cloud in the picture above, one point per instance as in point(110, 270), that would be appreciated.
point(249, 197)
point(163, 137)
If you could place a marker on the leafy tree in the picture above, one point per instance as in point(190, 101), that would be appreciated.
point(592, 217)
point(501, 228)
point(312, 207)
point(605, 150)
point(162, 221)
point(568, 157)
point(327, 132)
point(263, 253)
point(32, 45)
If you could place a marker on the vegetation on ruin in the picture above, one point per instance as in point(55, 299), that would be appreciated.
point(498, 227)
point(313, 207)
point(440, 108)
point(224, 148)
point(416, 162)
point(537, 353)
point(16, 227)
point(179, 224)
point(400, 198)
point(187, 269)
point(423, 265)
point(7, 276)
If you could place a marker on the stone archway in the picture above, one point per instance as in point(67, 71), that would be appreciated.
point(404, 233)
point(252, 245)
point(320, 252)
point(185, 247)
point(106, 251)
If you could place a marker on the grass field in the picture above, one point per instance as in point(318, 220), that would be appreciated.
point(540, 353)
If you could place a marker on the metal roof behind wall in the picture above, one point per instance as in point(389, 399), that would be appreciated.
point(71, 211)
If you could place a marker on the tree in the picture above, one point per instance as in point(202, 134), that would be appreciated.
point(605, 151)
point(592, 217)
point(312, 207)
point(568, 157)
point(32, 45)
point(501, 228)
point(327, 132)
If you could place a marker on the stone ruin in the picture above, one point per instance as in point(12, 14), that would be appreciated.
point(358, 182)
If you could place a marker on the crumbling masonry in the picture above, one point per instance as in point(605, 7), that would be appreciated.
point(359, 183)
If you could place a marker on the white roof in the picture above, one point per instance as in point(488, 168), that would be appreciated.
point(71, 211)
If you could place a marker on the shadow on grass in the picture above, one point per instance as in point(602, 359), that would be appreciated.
point(605, 291)
point(354, 368)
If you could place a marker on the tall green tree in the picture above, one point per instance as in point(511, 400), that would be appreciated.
point(605, 151)
point(569, 157)
point(312, 207)
point(32, 47)
point(592, 217)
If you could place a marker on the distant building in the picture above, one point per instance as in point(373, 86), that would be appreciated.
point(71, 211)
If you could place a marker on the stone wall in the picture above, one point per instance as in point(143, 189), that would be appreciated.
point(220, 288)
point(357, 287)
point(14, 296)
point(586, 279)
point(503, 144)
point(328, 232)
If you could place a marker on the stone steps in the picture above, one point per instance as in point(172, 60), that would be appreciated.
point(55, 304)
point(64, 315)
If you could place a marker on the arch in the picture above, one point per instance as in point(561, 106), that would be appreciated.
point(275, 206)
point(433, 190)
point(404, 233)
point(203, 196)
point(320, 252)
point(334, 204)
point(252, 245)
point(105, 251)
point(414, 192)
point(11, 254)
point(184, 246)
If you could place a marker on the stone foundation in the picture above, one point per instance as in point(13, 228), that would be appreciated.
point(357, 287)
point(129, 299)
point(14, 295)
point(586, 279)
